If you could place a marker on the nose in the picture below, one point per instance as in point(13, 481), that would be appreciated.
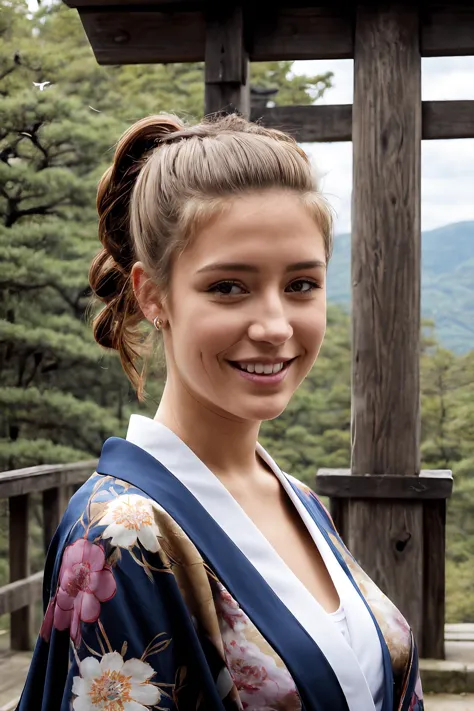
point(271, 324)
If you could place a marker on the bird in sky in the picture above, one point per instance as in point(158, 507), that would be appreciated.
point(41, 84)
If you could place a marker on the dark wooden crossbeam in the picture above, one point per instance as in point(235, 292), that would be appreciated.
point(331, 123)
point(155, 32)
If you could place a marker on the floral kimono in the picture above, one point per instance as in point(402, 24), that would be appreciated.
point(160, 593)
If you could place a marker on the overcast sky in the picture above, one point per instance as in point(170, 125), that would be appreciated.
point(447, 166)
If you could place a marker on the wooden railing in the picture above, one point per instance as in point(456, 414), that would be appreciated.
point(55, 484)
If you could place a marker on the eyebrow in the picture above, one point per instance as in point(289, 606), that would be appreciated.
point(240, 267)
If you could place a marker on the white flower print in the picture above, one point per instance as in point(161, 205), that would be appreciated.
point(114, 685)
point(128, 518)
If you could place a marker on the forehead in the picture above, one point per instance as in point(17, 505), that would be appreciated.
point(270, 226)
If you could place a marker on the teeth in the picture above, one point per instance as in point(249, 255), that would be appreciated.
point(261, 368)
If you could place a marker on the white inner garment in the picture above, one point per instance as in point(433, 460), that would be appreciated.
point(355, 655)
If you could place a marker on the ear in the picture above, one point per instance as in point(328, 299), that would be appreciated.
point(146, 292)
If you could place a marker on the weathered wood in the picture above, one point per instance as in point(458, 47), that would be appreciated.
point(386, 243)
point(145, 37)
point(25, 481)
point(54, 505)
point(332, 122)
point(447, 119)
point(322, 123)
point(447, 29)
point(386, 255)
point(226, 67)
point(122, 33)
point(387, 540)
point(324, 31)
point(20, 627)
point(340, 483)
point(434, 583)
point(21, 593)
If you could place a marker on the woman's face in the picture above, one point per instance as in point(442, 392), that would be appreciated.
point(246, 313)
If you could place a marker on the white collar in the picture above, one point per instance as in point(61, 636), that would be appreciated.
point(180, 460)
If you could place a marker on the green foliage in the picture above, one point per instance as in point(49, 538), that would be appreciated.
point(61, 395)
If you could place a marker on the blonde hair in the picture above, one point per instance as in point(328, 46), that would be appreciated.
point(166, 180)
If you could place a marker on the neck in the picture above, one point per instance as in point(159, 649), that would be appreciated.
point(225, 445)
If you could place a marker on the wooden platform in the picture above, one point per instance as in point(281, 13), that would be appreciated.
point(459, 664)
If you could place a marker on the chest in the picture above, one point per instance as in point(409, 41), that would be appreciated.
point(279, 521)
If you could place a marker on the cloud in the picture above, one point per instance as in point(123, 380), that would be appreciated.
point(447, 166)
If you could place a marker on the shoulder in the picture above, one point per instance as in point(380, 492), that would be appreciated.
point(311, 498)
point(108, 537)
point(112, 513)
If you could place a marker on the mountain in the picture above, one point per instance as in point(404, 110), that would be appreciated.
point(447, 281)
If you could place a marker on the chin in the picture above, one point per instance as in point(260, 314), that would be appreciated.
point(261, 411)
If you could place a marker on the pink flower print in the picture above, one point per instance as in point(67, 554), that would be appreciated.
point(261, 683)
point(85, 580)
point(229, 611)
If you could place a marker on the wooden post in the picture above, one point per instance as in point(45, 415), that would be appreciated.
point(387, 537)
point(20, 621)
point(54, 504)
point(226, 62)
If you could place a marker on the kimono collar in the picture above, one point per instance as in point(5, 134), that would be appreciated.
point(165, 446)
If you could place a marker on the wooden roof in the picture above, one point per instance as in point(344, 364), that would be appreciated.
point(153, 31)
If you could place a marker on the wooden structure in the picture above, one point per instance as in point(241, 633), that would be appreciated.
point(392, 517)
point(55, 484)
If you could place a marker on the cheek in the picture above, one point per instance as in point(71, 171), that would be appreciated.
point(310, 330)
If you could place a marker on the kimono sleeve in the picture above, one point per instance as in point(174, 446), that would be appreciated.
point(114, 631)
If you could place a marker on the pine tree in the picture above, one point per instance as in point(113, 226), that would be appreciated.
point(61, 395)
point(56, 400)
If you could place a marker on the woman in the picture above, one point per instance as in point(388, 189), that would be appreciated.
point(189, 572)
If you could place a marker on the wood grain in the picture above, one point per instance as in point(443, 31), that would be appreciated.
point(341, 484)
point(332, 122)
point(44, 476)
point(131, 33)
point(386, 537)
point(21, 593)
point(226, 62)
point(387, 541)
point(386, 243)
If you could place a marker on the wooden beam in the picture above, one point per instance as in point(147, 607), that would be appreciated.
point(226, 62)
point(434, 580)
point(127, 33)
point(25, 481)
point(148, 37)
point(21, 593)
point(340, 483)
point(20, 623)
point(385, 277)
point(447, 119)
point(321, 32)
point(332, 122)
point(447, 30)
point(322, 123)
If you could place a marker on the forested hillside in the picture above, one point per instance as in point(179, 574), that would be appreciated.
point(447, 281)
point(60, 396)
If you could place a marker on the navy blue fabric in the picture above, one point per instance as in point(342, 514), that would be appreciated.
point(315, 679)
point(323, 525)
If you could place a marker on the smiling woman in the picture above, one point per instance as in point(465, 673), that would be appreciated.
point(226, 584)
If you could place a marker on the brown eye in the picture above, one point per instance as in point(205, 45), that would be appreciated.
point(302, 286)
point(227, 288)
